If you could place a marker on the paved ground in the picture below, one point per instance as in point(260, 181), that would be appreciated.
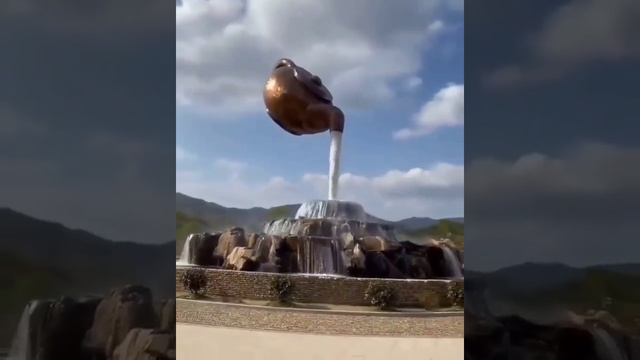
point(195, 342)
point(317, 322)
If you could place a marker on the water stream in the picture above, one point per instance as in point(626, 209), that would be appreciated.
point(606, 346)
point(334, 164)
point(452, 263)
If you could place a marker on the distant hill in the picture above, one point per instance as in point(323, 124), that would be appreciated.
point(46, 259)
point(552, 285)
point(197, 215)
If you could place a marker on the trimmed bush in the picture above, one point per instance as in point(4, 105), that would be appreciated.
point(281, 288)
point(432, 300)
point(195, 281)
point(380, 296)
point(455, 294)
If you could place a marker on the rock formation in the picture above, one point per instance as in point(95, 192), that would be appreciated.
point(120, 311)
point(122, 325)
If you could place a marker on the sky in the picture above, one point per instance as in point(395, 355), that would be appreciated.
point(551, 146)
point(87, 125)
point(396, 69)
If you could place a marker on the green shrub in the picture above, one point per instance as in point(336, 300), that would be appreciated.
point(455, 294)
point(195, 281)
point(381, 296)
point(432, 300)
point(281, 288)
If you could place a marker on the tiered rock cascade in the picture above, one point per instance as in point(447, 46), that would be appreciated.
point(326, 237)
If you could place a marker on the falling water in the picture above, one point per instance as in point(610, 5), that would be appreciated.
point(334, 164)
point(606, 345)
point(331, 209)
point(453, 265)
point(282, 227)
point(21, 346)
point(321, 256)
point(23, 340)
point(186, 252)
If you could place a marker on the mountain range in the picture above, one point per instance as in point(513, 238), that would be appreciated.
point(197, 215)
point(42, 259)
point(540, 290)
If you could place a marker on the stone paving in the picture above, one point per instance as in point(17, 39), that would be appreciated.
point(318, 322)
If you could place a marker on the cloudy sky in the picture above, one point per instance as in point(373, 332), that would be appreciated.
point(87, 115)
point(395, 68)
point(552, 138)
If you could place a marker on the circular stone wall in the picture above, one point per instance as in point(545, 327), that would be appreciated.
point(309, 288)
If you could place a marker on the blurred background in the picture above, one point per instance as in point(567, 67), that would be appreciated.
point(87, 142)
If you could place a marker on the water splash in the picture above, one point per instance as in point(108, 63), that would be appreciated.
point(282, 227)
point(606, 346)
point(331, 209)
point(334, 164)
point(452, 263)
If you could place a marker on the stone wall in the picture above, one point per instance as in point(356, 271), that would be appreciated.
point(313, 289)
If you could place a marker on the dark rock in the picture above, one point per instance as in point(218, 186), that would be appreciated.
point(202, 247)
point(55, 329)
point(378, 265)
point(437, 262)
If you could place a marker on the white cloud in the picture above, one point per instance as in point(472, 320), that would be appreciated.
point(183, 155)
point(435, 192)
point(225, 49)
point(412, 82)
point(577, 207)
point(445, 109)
point(230, 168)
point(576, 34)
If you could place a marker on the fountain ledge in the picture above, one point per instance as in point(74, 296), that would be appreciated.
point(313, 288)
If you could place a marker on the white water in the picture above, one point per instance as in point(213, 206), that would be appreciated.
point(331, 209)
point(321, 256)
point(453, 265)
point(185, 255)
point(22, 344)
point(606, 346)
point(334, 164)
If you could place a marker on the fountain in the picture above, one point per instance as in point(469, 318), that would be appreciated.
point(329, 237)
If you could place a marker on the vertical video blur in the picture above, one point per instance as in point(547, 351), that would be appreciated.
point(86, 187)
point(552, 183)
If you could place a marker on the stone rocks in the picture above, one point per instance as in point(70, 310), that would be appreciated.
point(230, 239)
point(201, 247)
point(241, 258)
point(326, 246)
point(146, 344)
point(54, 329)
point(93, 328)
point(168, 315)
point(252, 240)
point(378, 243)
point(119, 312)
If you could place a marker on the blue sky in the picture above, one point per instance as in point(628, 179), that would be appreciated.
point(382, 66)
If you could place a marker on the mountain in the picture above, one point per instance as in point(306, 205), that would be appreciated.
point(541, 290)
point(42, 259)
point(415, 223)
point(197, 215)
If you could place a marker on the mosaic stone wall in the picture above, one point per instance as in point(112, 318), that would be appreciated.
point(314, 289)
